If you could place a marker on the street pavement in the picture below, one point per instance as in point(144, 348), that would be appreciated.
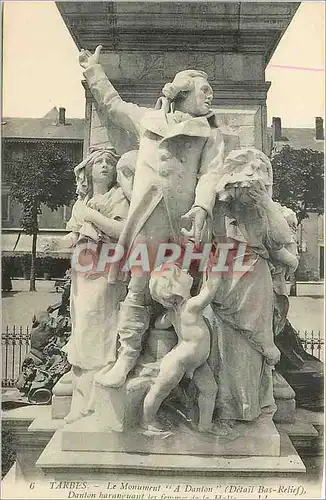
point(18, 307)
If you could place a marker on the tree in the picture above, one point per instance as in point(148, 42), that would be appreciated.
point(298, 184)
point(44, 175)
point(299, 180)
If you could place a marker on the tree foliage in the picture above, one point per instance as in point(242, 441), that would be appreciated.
point(43, 175)
point(299, 180)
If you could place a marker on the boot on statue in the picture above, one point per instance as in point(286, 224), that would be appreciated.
point(134, 321)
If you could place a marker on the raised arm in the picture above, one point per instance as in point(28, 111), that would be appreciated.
point(123, 114)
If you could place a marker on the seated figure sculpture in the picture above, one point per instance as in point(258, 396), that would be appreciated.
point(171, 287)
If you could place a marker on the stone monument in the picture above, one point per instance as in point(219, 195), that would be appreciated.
point(182, 175)
point(193, 367)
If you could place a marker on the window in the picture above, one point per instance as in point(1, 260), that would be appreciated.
point(5, 206)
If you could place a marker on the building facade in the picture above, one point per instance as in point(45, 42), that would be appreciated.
point(311, 229)
point(18, 135)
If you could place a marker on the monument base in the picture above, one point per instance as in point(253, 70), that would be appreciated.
point(284, 397)
point(61, 465)
point(285, 412)
point(257, 438)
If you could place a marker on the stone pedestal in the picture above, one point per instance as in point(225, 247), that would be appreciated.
point(61, 465)
point(118, 409)
point(61, 399)
point(27, 444)
point(33, 430)
point(258, 438)
point(60, 406)
point(143, 49)
point(284, 397)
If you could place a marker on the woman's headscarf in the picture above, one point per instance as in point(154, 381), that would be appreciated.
point(81, 169)
point(242, 167)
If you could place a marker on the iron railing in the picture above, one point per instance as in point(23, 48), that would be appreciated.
point(16, 343)
point(313, 343)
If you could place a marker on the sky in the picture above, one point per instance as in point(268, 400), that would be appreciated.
point(40, 65)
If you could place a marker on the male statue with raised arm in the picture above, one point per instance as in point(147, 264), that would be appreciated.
point(174, 181)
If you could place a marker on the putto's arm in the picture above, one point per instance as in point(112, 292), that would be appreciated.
point(205, 296)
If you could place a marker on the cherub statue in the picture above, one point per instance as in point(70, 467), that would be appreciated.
point(171, 288)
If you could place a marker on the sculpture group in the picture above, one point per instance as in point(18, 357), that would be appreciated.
point(186, 314)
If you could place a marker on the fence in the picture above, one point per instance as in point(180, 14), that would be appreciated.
point(16, 342)
point(313, 343)
point(15, 345)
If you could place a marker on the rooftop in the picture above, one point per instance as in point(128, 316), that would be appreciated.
point(47, 127)
point(298, 137)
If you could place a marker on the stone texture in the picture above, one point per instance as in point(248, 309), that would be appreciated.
point(254, 28)
point(299, 428)
point(45, 425)
point(239, 67)
point(176, 61)
point(242, 121)
point(99, 136)
point(117, 409)
point(103, 132)
point(311, 417)
point(30, 441)
point(60, 406)
point(284, 398)
point(281, 388)
point(259, 438)
point(28, 446)
point(68, 464)
point(285, 412)
point(133, 65)
point(247, 136)
point(61, 399)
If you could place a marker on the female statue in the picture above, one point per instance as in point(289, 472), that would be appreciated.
point(243, 300)
point(97, 217)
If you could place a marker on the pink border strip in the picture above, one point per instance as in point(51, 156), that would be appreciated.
point(295, 67)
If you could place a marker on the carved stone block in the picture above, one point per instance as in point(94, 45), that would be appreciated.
point(239, 67)
point(176, 61)
point(247, 136)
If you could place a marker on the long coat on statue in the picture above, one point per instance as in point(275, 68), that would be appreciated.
point(175, 168)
